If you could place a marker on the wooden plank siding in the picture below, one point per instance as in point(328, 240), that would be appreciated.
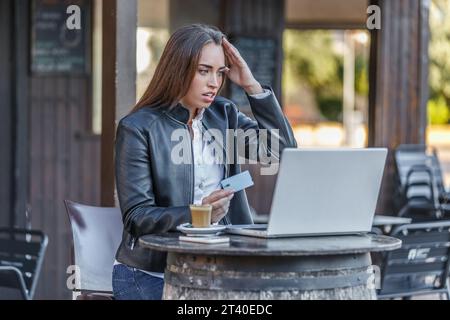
point(118, 83)
point(64, 164)
point(266, 20)
point(398, 82)
point(48, 151)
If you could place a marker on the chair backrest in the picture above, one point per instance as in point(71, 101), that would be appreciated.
point(421, 264)
point(21, 256)
point(97, 232)
point(410, 161)
point(411, 156)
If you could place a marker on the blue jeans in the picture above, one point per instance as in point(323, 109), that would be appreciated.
point(131, 284)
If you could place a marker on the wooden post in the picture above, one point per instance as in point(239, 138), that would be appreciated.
point(14, 138)
point(398, 82)
point(21, 106)
point(118, 82)
point(6, 123)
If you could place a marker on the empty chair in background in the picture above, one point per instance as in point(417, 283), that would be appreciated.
point(420, 191)
point(421, 265)
point(97, 232)
point(21, 256)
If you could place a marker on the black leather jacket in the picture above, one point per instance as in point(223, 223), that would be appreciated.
point(154, 192)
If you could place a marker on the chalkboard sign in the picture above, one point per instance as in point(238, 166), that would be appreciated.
point(261, 57)
point(56, 48)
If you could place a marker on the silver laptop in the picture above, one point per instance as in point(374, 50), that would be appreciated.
point(322, 192)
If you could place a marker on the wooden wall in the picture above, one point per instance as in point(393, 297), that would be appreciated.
point(48, 151)
point(183, 12)
point(257, 18)
point(398, 82)
point(64, 164)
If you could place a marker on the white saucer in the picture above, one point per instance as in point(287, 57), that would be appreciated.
point(187, 229)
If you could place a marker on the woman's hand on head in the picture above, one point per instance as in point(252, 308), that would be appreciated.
point(238, 71)
point(220, 201)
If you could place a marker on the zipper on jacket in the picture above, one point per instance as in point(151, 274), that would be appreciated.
point(133, 240)
point(223, 150)
point(225, 218)
point(191, 184)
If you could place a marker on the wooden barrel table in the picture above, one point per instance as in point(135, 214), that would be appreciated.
point(325, 267)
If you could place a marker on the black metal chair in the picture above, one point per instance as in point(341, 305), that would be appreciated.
point(21, 257)
point(421, 265)
point(97, 232)
point(420, 188)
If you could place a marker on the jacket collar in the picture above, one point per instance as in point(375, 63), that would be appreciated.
point(179, 113)
point(210, 118)
point(213, 119)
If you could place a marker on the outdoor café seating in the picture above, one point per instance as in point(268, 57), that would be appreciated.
point(421, 265)
point(21, 256)
point(420, 191)
point(97, 232)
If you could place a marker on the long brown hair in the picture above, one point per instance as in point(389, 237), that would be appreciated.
point(178, 65)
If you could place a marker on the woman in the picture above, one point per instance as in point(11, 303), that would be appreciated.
point(154, 187)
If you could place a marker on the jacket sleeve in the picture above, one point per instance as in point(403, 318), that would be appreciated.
point(135, 189)
point(270, 118)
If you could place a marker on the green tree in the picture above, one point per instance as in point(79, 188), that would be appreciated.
point(438, 112)
point(439, 51)
point(311, 56)
point(312, 60)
